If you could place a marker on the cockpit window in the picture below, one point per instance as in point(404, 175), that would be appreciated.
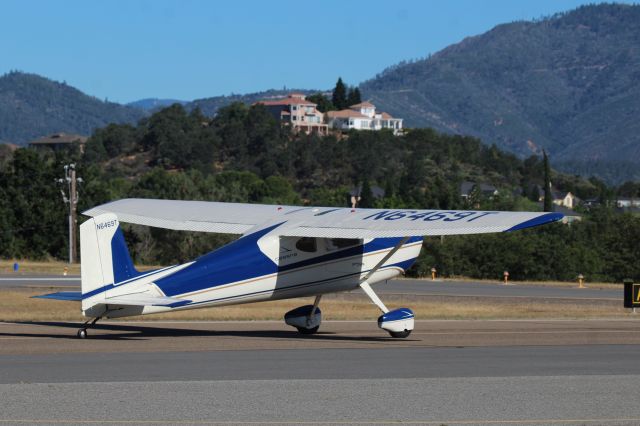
point(307, 244)
point(340, 243)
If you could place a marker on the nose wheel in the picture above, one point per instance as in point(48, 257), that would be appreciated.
point(82, 333)
point(400, 334)
point(303, 330)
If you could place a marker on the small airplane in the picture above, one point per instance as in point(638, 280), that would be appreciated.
point(283, 252)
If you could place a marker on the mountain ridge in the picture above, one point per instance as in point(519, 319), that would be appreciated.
point(32, 106)
point(568, 84)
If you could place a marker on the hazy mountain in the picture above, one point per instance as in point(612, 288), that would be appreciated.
point(152, 104)
point(33, 106)
point(569, 83)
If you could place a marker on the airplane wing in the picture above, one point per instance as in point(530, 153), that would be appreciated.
point(203, 216)
point(322, 222)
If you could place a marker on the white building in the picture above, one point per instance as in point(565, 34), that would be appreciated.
point(363, 116)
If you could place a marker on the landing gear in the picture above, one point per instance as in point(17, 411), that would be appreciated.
point(306, 319)
point(82, 333)
point(399, 322)
point(400, 334)
point(303, 330)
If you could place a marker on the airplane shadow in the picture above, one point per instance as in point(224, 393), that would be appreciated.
point(140, 332)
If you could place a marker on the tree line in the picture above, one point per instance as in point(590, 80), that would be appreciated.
point(244, 155)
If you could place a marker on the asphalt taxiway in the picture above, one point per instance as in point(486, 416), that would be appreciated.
point(446, 372)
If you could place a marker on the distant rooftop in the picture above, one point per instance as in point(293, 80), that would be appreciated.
point(59, 138)
point(345, 113)
point(291, 99)
point(364, 104)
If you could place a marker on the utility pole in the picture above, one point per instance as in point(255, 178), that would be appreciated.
point(70, 197)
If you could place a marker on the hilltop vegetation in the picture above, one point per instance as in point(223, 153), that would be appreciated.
point(568, 84)
point(32, 106)
point(244, 155)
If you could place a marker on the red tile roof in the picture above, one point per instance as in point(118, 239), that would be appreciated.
point(364, 104)
point(345, 113)
point(287, 101)
point(385, 115)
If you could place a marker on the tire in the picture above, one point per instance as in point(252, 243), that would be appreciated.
point(82, 333)
point(400, 334)
point(313, 330)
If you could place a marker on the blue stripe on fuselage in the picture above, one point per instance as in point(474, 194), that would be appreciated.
point(402, 265)
point(237, 261)
point(242, 260)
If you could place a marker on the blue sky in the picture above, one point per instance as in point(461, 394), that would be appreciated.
point(128, 50)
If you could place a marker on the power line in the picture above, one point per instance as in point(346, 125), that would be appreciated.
point(70, 183)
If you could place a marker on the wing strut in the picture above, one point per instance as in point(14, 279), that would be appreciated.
point(364, 285)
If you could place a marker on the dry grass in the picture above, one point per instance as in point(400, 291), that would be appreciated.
point(48, 267)
point(564, 284)
point(16, 305)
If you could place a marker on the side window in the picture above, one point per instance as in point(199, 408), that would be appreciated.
point(307, 244)
point(340, 243)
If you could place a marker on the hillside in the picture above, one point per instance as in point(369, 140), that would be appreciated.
point(210, 106)
point(33, 106)
point(243, 155)
point(154, 104)
point(569, 84)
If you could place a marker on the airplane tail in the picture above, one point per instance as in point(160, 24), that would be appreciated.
point(105, 259)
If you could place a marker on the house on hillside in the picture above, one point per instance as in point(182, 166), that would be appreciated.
point(485, 190)
point(565, 199)
point(363, 116)
point(299, 113)
point(59, 141)
point(627, 202)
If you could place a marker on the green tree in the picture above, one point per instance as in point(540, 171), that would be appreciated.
point(353, 97)
point(366, 195)
point(323, 104)
point(339, 96)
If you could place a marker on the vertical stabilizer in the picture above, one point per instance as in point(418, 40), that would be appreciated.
point(105, 259)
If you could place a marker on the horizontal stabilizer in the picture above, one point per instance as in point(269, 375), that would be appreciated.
point(141, 299)
point(73, 296)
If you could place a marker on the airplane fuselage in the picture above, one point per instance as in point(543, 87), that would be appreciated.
point(263, 266)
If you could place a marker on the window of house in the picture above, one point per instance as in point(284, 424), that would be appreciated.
point(307, 244)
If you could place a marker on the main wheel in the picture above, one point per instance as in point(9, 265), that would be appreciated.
point(400, 334)
point(82, 333)
point(303, 330)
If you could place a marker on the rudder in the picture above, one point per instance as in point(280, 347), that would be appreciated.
point(104, 255)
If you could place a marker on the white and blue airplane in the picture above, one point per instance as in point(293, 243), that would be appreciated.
point(283, 252)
